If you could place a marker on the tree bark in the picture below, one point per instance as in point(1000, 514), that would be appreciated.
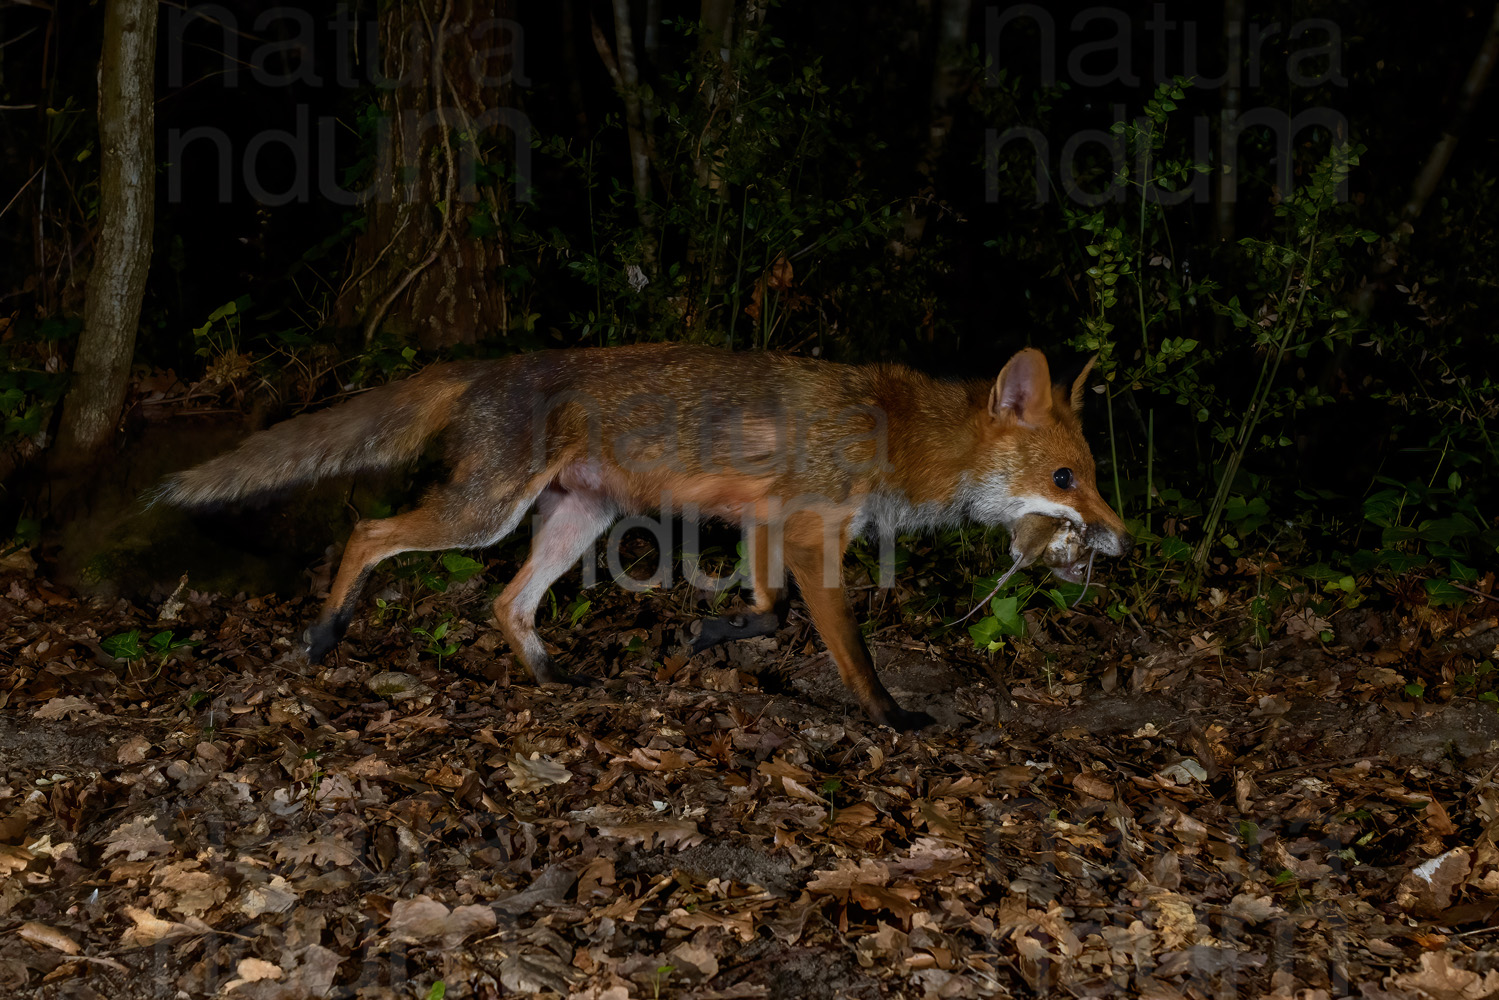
point(1425, 184)
point(127, 199)
point(715, 63)
point(952, 39)
point(1227, 188)
point(640, 113)
point(425, 267)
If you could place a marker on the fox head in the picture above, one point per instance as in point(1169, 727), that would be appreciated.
point(1038, 463)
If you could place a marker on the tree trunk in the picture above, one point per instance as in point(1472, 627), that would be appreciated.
point(715, 62)
point(1227, 188)
point(425, 267)
point(952, 39)
point(127, 189)
point(640, 114)
point(1435, 166)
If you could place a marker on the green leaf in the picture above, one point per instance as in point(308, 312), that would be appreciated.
point(460, 567)
point(985, 633)
point(125, 647)
point(1007, 615)
point(1441, 594)
point(1175, 549)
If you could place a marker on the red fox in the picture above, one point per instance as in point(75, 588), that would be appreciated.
point(805, 454)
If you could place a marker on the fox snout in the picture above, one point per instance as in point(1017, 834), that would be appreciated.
point(1107, 540)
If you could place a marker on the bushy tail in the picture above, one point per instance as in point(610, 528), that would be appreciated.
point(381, 428)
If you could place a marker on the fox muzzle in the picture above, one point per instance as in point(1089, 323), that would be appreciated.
point(1107, 540)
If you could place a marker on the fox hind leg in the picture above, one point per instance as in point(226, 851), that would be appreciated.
point(446, 520)
point(569, 521)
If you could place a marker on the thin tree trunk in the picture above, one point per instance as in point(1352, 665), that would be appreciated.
point(952, 39)
point(1228, 120)
point(1435, 166)
point(127, 190)
point(425, 267)
point(653, 30)
point(715, 62)
point(624, 70)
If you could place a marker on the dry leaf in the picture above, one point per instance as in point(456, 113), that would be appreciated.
point(1439, 979)
point(61, 708)
point(48, 937)
point(136, 839)
point(535, 773)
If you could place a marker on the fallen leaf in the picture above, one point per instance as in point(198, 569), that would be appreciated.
point(48, 937)
point(535, 773)
point(61, 708)
point(1439, 979)
point(137, 839)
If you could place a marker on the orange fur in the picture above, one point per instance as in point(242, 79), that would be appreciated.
point(803, 453)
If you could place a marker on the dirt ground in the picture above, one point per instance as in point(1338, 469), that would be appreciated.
point(1132, 809)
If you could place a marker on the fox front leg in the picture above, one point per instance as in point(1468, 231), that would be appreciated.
point(731, 628)
point(765, 616)
point(820, 577)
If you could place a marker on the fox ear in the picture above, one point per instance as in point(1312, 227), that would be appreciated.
point(1081, 383)
point(1022, 392)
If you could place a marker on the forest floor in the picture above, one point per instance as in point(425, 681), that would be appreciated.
point(1152, 809)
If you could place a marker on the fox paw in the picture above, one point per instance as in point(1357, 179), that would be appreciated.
point(729, 628)
point(317, 641)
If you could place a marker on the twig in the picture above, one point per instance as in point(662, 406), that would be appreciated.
point(1375, 759)
point(22, 188)
point(1476, 931)
point(1477, 593)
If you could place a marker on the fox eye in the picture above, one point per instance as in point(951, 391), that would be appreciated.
point(1063, 479)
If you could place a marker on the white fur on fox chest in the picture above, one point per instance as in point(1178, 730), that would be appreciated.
point(890, 512)
point(987, 501)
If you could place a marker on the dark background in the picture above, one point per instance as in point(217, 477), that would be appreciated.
point(833, 107)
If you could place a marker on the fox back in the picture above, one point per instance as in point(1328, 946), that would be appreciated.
point(802, 453)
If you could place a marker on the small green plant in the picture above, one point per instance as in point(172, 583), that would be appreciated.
point(1005, 617)
point(1479, 682)
point(384, 609)
point(128, 646)
point(456, 568)
point(831, 787)
point(315, 780)
point(219, 336)
point(660, 979)
point(438, 991)
point(1411, 539)
point(576, 611)
point(435, 636)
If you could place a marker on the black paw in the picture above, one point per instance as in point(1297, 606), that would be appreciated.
point(318, 640)
point(733, 627)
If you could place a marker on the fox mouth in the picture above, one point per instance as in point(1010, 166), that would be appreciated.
point(1075, 571)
